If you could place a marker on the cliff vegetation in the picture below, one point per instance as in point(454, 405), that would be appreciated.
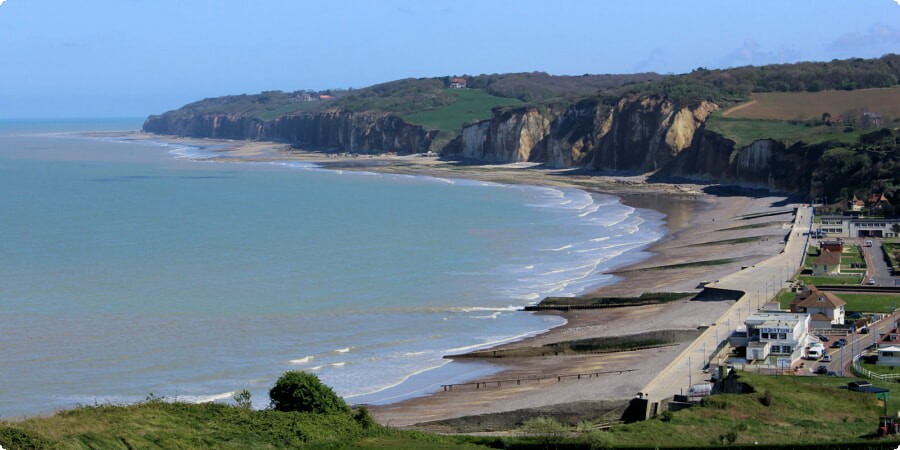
point(672, 127)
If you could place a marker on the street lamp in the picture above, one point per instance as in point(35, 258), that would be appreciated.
point(690, 382)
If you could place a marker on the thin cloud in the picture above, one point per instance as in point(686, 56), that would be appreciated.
point(752, 53)
point(2, 1)
point(878, 38)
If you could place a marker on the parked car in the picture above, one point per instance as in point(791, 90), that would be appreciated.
point(842, 341)
point(837, 344)
point(822, 337)
point(821, 370)
point(871, 282)
point(826, 359)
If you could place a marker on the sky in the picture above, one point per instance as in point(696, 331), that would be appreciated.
point(132, 58)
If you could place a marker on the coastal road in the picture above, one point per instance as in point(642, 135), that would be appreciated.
point(758, 285)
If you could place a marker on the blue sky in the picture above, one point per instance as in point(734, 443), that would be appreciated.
point(106, 58)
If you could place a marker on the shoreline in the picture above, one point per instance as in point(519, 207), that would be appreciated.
point(694, 219)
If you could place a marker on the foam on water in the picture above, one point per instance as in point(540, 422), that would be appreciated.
point(524, 244)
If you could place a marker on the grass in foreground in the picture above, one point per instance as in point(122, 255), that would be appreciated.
point(179, 425)
point(471, 105)
point(803, 410)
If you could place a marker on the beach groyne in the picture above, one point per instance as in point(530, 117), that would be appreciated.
point(608, 344)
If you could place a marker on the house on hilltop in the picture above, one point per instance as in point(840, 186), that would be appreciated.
point(827, 263)
point(458, 83)
point(856, 204)
point(877, 202)
point(872, 119)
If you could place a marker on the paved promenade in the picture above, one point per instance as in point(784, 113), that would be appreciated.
point(756, 285)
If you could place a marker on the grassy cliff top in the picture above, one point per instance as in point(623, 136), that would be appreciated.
point(774, 410)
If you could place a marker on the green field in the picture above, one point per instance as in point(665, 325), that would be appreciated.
point(471, 105)
point(785, 297)
point(818, 281)
point(744, 131)
point(878, 303)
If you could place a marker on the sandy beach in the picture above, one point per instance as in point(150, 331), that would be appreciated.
point(709, 235)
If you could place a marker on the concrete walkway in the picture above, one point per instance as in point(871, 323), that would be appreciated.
point(755, 286)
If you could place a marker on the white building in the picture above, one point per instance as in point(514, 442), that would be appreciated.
point(848, 226)
point(777, 333)
point(889, 355)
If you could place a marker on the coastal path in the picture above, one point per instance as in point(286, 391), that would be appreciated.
point(753, 286)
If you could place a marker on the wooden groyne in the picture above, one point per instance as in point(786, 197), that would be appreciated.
point(518, 381)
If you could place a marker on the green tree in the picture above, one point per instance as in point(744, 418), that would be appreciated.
point(301, 391)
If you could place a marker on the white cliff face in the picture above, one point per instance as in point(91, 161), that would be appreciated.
point(473, 139)
point(516, 135)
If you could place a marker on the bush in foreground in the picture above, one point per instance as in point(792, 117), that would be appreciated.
point(303, 392)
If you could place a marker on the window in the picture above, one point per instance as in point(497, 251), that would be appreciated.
point(887, 354)
point(785, 349)
point(782, 335)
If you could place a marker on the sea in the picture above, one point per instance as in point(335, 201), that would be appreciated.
point(135, 269)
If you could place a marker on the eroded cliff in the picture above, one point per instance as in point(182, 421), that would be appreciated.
point(330, 130)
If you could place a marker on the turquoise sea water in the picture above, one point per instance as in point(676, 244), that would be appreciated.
point(127, 268)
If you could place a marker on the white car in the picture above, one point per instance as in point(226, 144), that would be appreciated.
point(826, 358)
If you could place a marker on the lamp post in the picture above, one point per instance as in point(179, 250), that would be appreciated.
point(690, 381)
point(704, 353)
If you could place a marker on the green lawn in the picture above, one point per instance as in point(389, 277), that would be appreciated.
point(744, 131)
point(890, 370)
point(830, 280)
point(785, 297)
point(892, 249)
point(880, 303)
point(851, 255)
point(471, 105)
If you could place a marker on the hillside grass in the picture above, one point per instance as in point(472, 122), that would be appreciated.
point(470, 105)
point(158, 424)
point(802, 106)
point(744, 131)
point(801, 407)
point(812, 410)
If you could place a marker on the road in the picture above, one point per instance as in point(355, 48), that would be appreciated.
point(759, 284)
point(876, 267)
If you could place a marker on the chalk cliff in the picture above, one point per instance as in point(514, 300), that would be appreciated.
point(637, 134)
point(510, 135)
point(330, 129)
